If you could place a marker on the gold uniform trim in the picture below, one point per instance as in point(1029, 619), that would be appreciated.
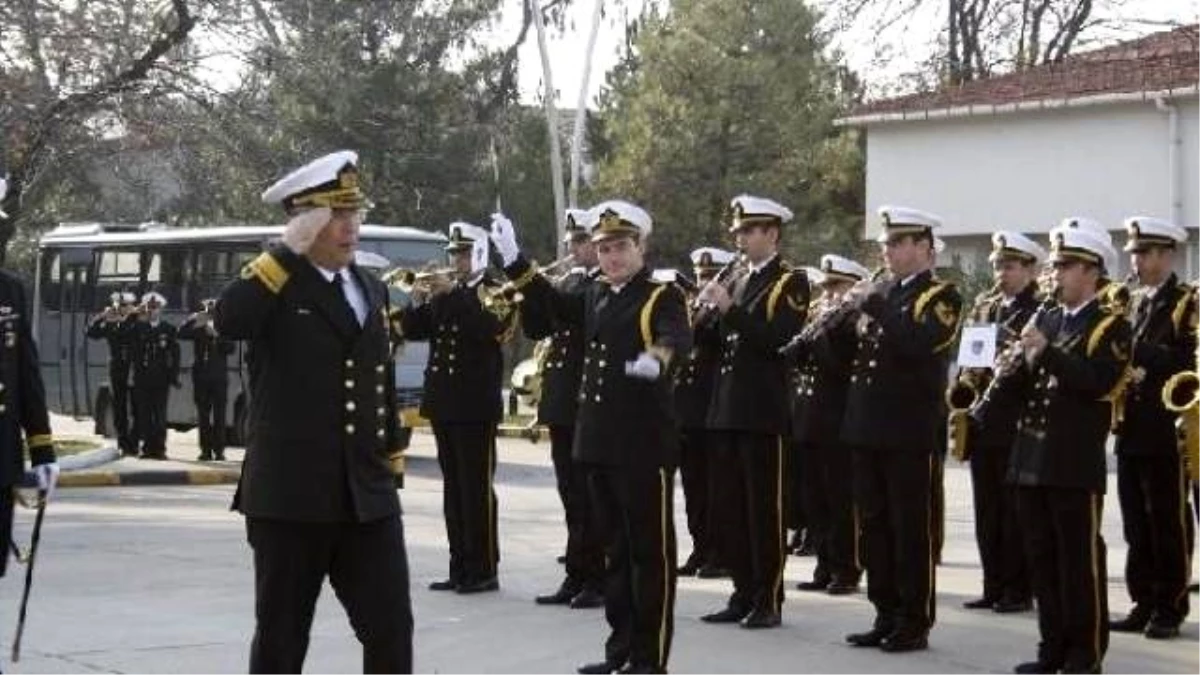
point(1098, 332)
point(945, 313)
point(1094, 531)
point(646, 315)
point(665, 610)
point(267, 270)
point(526, 277)
point(776, 291)
point(1180, 311)
point(40, 440)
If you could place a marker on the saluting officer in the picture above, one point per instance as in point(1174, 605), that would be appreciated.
point(115, 325)
point(626, 431)
point(210, 379)
point(562, 368)
point(1015, 260)
point(893, 420)
point(317, 484)
point(462, 401)
point(750, 416)
point(698, 467)
point(825, 349)
point(155, 370)
point(1064, 373)
point(1151, 481)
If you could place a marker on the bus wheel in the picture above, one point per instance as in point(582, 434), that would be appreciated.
point(240, 430)
point(103, 413)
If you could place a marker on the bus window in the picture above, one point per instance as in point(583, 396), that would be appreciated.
point(217, 267)
point(51, 280)
point(119, 271)
point(406, 253)
point(166, 273)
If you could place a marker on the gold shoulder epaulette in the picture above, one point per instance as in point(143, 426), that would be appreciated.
point(266, 269)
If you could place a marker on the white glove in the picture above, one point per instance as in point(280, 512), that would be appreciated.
point(646, 367)
point(47, 477)
point(303, 228)
point(504, 238)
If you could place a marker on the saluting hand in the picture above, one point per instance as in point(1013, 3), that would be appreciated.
point(504, 238)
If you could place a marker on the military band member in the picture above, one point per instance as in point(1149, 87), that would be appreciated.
point(626, 431)
point(210, 379)
point(462, 402)
point(1015, 260)
point(825, 350)
point(750, 416)
point(155, 371)
point(317, 485)
point(557, 409)
point(694, 381)
point(115, 326)
point(894, 419)
point(1151, 481)
point(1063, 373)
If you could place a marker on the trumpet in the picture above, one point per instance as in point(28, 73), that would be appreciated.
point(1181, 394)
point(409, 280)
point(206, 308)
point(507, 294)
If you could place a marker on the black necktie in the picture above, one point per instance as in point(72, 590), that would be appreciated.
point(606, 293)
point(335, 286)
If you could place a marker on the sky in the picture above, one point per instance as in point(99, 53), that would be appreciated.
point(907, 43)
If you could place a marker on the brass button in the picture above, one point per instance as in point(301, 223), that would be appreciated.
point(349, 363)
point(434, 368)
point(379, 389)
point(451, 369)
point(379, 368)
point(381, 411)
point(379, 434)
point(350, 406)
point(349, 384)
point(349, 428)
point(596, 398)
point(602, 363)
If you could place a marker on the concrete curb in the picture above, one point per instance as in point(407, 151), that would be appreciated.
point(112, 478)
point(533, 434)
point(89, 459)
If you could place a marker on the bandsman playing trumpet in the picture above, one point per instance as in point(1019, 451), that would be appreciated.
point(625, 431)
point(115, 326)
point(893, 422)
point(825, 350)
point(462, 401)
point(210, 378)
point(761, 307)
point(1150, 477)
point(1015, 261)
point(155, 371)
point(1062, 374)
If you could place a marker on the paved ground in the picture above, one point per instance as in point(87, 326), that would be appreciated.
point(158, 579)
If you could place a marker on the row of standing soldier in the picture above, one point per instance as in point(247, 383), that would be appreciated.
point(144, 362)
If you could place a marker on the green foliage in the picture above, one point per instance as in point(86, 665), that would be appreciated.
point(721, 97)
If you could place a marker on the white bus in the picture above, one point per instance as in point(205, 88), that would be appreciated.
point(80, 265)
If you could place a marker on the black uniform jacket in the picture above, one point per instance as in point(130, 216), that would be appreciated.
point(155, 353)
point(1164, 343)
point(622, 420)
point(119, 335)
point(322, 409)
point(209, 351)
point(1065, 397)
point(898, 377)
point(824, 379)
point(462, 376)
point(996, 424)
point(697, 374)
point(752, 388)
point(562, 362)
point(22, 395)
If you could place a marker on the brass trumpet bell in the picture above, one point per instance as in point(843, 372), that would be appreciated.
point(408, 280)
point(1181, 394)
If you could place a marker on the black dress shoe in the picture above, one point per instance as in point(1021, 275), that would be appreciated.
point(814, 585)
point(980, 603)
point(588, 598)
point(1035, 668)
point(710, 571)
point(871, 638)
point(728, 615)
point(219, 456)
point(805, 549)
point(560, 597)
point(478, 586)
point(631, 668)
point(561, 560)
point(1134, 622)
point(1076, 668)
point(905, 641)
point(598, 668)
point(1162, 630)
point(762, 618)
point(443, 585)
point(1194, 588)
point(842, 587)
point(204, 457)
point(1012, 605)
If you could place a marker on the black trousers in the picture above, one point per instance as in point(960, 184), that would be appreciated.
point(467, 456)
point(118, 381)
point(997, 528)
point(797, 491)
point(752, 509)
point(1067, 557)
point(210, 397)
point(637, 503)
point(585, 545)
point(368, 568)
point(937, 506)
point(1153, 495)
point(150, 414)
point(6, 525)
point(831, 517)
point(892, 493)
point(695, 462)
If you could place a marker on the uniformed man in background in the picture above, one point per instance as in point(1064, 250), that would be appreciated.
point(462, 401)
point(210, 379)
point(626, 431)
point(155, 371)
point(750, 416)
point(1064, 373)
point(698, 467)
point(562, 368)
point(317, 484)
point(907, 327)
point(1015, 260)
point(115, 326)
point(825, 350)
point(1151, 481)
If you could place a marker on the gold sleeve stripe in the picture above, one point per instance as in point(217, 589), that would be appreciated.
point(39, 440)
point(646, 315)
point(776, 291)
point(267, 270)
point(924, 298)
point(1098, 333)
point(1179, 313)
